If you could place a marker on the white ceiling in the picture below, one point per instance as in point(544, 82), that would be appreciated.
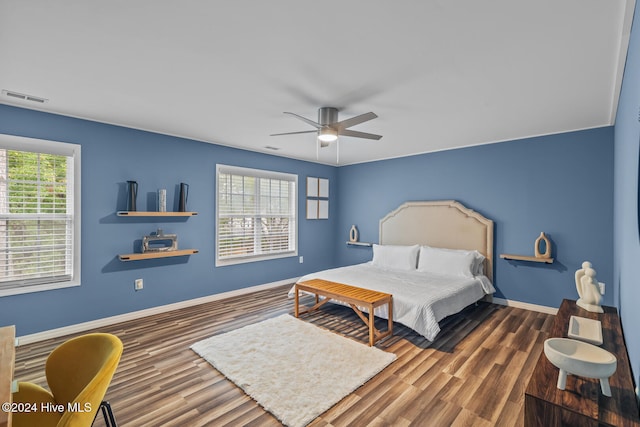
point(440, 74)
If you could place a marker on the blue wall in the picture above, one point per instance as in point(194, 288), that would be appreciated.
point(627, 241)
point(560, 184)
point(111, 155)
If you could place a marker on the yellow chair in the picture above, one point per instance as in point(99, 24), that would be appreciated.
point(78, 372)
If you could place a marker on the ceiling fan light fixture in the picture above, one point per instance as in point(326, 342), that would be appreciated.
point(327, 135)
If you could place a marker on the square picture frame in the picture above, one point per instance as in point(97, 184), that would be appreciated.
point(323, 187)
point(323, 209)
point(312, 209)
point(312, 186)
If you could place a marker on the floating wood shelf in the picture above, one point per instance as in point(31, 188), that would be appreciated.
point(359, 244)
point(526, 258)
point(152, 213)
point(151, 255)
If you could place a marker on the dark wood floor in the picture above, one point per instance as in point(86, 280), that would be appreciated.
point(473, 374)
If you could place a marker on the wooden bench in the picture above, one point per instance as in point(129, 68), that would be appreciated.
point(352, 295)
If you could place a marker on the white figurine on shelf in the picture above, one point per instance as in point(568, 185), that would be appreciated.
point(588, 289)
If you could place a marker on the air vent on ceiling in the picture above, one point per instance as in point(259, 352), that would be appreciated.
point(270, 147)
point(23, 96)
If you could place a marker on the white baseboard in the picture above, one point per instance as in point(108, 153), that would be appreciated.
point(99, 323)
point(107, 321)
point(525, 305)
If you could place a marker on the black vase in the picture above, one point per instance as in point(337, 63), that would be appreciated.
point(133, 194)
point(184, 195)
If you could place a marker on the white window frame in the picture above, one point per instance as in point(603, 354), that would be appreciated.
point(19, 143)
point(257, 173)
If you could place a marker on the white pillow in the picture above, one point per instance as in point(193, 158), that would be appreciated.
point(451, 262)
point(479, 267)
point(395, 257)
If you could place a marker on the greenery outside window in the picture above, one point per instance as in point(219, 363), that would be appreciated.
point(256, 215)
point(39, 215)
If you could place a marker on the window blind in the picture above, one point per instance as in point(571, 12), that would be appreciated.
point(36, 218)
point(256, 213)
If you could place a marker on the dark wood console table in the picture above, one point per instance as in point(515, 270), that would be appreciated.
point(582, 403)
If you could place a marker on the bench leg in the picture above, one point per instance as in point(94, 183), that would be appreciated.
point(372, 329)
point(390, 324)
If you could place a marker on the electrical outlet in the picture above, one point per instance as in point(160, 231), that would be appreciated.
point(601, 288)
point(138, 285)
point(301, 259)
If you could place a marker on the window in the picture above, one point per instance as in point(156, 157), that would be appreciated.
point(39, 215)
point(256, 215)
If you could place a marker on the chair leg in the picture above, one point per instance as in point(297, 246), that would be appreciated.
point(107, 413)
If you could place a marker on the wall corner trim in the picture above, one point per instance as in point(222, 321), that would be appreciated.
point(106, 321)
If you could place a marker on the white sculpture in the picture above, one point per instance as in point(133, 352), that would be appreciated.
point(588, 289)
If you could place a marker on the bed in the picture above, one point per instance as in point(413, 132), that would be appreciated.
point(435, 257)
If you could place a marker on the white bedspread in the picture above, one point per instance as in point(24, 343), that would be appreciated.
point(420, 300)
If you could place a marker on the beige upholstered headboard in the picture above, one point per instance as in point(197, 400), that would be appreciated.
point(443, 224)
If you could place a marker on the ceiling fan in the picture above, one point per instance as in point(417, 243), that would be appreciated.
point(329, 128)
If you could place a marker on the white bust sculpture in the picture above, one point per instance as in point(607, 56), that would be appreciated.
point(588, 289)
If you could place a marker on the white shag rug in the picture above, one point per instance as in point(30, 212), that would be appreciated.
point(293, 369)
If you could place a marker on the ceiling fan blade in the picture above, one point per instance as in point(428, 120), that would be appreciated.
point(356, 134)
point(294, 133)
point(354, 121)
point(304, 119)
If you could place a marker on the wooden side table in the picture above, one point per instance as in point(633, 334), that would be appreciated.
point(7, 362)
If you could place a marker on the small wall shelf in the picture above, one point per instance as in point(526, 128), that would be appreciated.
point(152, 213)
point(526, 258)
point(539, 256)
point(359, 244)
point(152, 255)
point(160, 254)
